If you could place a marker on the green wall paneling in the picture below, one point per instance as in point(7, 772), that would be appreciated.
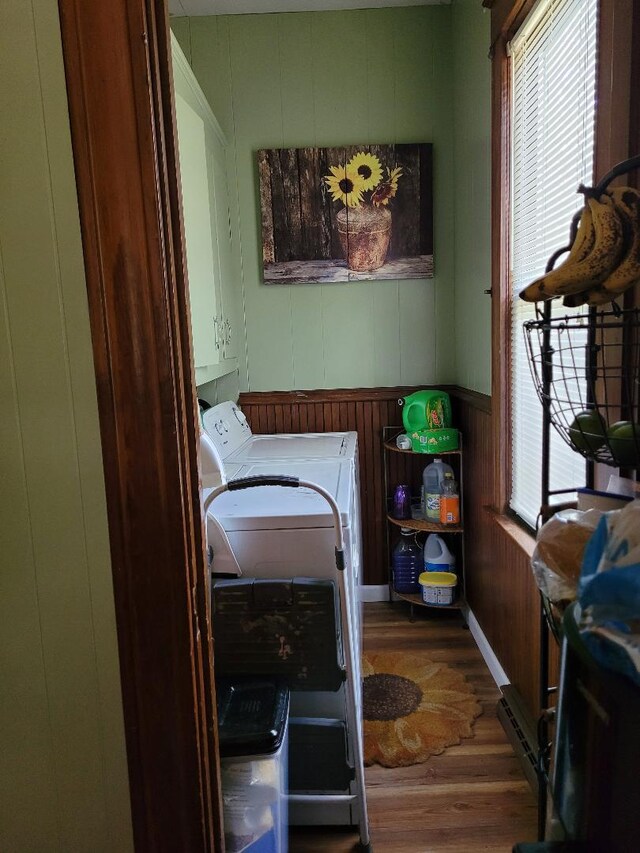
point(64, 782)
point(286, 80)
point(472, 136)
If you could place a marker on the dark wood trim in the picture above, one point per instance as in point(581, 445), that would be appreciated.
point(481, 402)
point(634, 131)
point(337, 395)
point(524, 540)
point(615, 93)
point(328, 395)
point(506, 17)
point(117, 63)
point(500, 274)
point(613, 123)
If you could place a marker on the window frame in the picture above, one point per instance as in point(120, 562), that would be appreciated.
point(616, 134)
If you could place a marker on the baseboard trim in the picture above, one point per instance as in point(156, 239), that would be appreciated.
point(373, 592)
point(494, 665)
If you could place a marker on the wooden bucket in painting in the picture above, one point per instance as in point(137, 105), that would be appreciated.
point(364, 232)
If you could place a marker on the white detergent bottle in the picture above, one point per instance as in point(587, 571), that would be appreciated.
point(437, 557)
point(432, 480)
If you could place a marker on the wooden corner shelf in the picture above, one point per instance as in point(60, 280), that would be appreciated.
point(391, 445)
point(427, 526)
point(415, 599)
point(405, 470)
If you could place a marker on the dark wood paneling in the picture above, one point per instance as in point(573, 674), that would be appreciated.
point(118, 71)
point(366, 411)
point(363, 410)
point(499, 582)
point(500, 587)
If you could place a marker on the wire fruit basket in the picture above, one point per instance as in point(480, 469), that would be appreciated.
point(586, 369)
point(586, 366)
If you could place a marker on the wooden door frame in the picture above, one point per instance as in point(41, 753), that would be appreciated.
point(118, 69)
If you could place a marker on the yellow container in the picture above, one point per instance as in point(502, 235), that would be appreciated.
point(438, 587)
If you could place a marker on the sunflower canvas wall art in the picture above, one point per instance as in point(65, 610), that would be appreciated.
point(346, 214)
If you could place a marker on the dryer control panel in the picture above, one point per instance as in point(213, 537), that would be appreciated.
point(227, 427)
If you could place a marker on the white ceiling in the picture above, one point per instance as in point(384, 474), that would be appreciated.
point(246, 7)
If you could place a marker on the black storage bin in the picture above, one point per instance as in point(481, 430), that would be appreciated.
point(596, 785)
point(252, 715)
point(285, 628)
point(318, 756)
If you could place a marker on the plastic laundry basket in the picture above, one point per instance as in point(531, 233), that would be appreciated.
point(253, 721)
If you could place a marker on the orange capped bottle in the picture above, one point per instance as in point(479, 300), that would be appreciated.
point(449, 501)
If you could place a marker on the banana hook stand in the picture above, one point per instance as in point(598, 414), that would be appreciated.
point(544, 323)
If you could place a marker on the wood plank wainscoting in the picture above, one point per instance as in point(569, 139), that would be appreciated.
point(500, 587)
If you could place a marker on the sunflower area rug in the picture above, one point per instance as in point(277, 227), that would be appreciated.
point(413, 708)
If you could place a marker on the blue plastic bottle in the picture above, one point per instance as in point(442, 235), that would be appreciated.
point(407, 563)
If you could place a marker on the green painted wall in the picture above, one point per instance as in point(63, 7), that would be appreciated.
point(472, 147)
point(325, 79)
point(64, 783)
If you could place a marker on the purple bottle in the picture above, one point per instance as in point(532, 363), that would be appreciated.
point(402, 502)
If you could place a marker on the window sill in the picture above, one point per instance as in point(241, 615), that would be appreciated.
point(522, 538)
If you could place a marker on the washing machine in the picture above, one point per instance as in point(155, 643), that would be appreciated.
point(239, 449)
point(229, 430)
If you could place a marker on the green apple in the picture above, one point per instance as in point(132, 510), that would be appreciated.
point(588, 431)
point(624, 441)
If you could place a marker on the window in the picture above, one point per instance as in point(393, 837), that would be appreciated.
point(553, 74)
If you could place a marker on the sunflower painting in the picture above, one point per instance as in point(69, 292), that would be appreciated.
point(345, 214)
point(367, 167)
point(345, 185)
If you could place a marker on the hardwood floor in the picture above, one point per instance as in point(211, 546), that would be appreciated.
point(473, 797)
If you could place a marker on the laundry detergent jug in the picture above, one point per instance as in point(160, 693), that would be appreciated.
point(433, 478)
point(426, 410)
point(437, 557)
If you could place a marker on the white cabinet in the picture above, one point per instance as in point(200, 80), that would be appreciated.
point(205, 204)
point(229, 295)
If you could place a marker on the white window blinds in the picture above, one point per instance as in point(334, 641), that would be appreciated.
point(553, 83)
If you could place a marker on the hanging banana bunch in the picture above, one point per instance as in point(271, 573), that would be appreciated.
point(604, 257)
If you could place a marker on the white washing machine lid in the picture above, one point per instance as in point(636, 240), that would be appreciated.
point(312, 445)
point(274, 507)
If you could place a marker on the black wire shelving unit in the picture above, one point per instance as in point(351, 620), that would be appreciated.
point(586, 369)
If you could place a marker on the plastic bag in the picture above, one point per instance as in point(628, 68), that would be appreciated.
point(557, 558)
point(609, 592)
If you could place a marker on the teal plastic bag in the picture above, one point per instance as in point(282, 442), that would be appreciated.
point(609, 592)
